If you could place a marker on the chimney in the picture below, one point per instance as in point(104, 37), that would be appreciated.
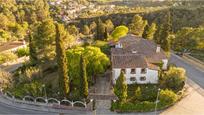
point(134, 51)
point(158, 48)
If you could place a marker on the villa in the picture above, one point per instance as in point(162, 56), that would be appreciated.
point(140, 60)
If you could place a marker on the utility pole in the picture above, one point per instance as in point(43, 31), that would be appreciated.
point(155, 110)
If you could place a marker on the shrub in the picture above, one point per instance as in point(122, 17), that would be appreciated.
point(26, 74)
point(167, 97)
point(22, 52)
point(34, 88)
point(147, 92)
point(5, 79)
point(7, 56)
point(138, 93)
point(128, 107)
point(173, 79)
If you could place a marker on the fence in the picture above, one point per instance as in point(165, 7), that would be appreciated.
point(46, 102)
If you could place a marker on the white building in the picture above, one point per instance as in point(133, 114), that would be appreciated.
point(139, 59)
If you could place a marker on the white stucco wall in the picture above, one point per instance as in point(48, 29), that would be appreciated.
point(151, 76)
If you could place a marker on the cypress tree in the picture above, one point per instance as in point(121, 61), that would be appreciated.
point(106, 34)
point(149, 31)
point(62, 61)
point(165, 42)
point(120, 88)
point(157, 35)
point(100, 29)
point(32, 54)
point(84, 80)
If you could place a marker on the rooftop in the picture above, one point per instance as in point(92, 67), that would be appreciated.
point(136, 52)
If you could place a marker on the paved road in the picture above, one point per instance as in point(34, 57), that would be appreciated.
point(6, 109)
point(193, 73)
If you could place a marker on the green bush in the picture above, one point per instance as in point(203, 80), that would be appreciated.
point(147, 92)
point(5, 79)
point(167, 97)
point(34, 88)
point(7, 56)
point(22, 52)
point(173, 79)
point(26, 75)
point(130, 107)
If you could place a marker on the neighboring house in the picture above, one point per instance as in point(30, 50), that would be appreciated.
point(139, 59)
point(12, 46)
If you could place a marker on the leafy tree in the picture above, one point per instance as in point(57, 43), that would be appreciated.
point(62, 61)
point(137, 25)
point(173, 79)
point(84, 83)
point(42, 9)
point(119, 32)
point(86, 30)
point(149, 31)
point(97, 62)
point(189, 39)
point(120, 88)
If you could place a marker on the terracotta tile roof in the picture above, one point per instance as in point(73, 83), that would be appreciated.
point(10, 45)
point(136, 52)
point(128, 61)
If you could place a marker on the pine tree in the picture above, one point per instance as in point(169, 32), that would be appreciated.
point(84, 84)
point(62, 61)
point(109, 25)
point(149, 31)
point(32, 54)
point(137, 25)
point(120, 88)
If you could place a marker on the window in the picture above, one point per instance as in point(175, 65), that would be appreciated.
point(133, 79)
point(143, 71)
point(143, 78)
point(133, 71)
point(123, 70)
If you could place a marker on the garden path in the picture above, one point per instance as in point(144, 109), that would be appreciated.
point(103, 86)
